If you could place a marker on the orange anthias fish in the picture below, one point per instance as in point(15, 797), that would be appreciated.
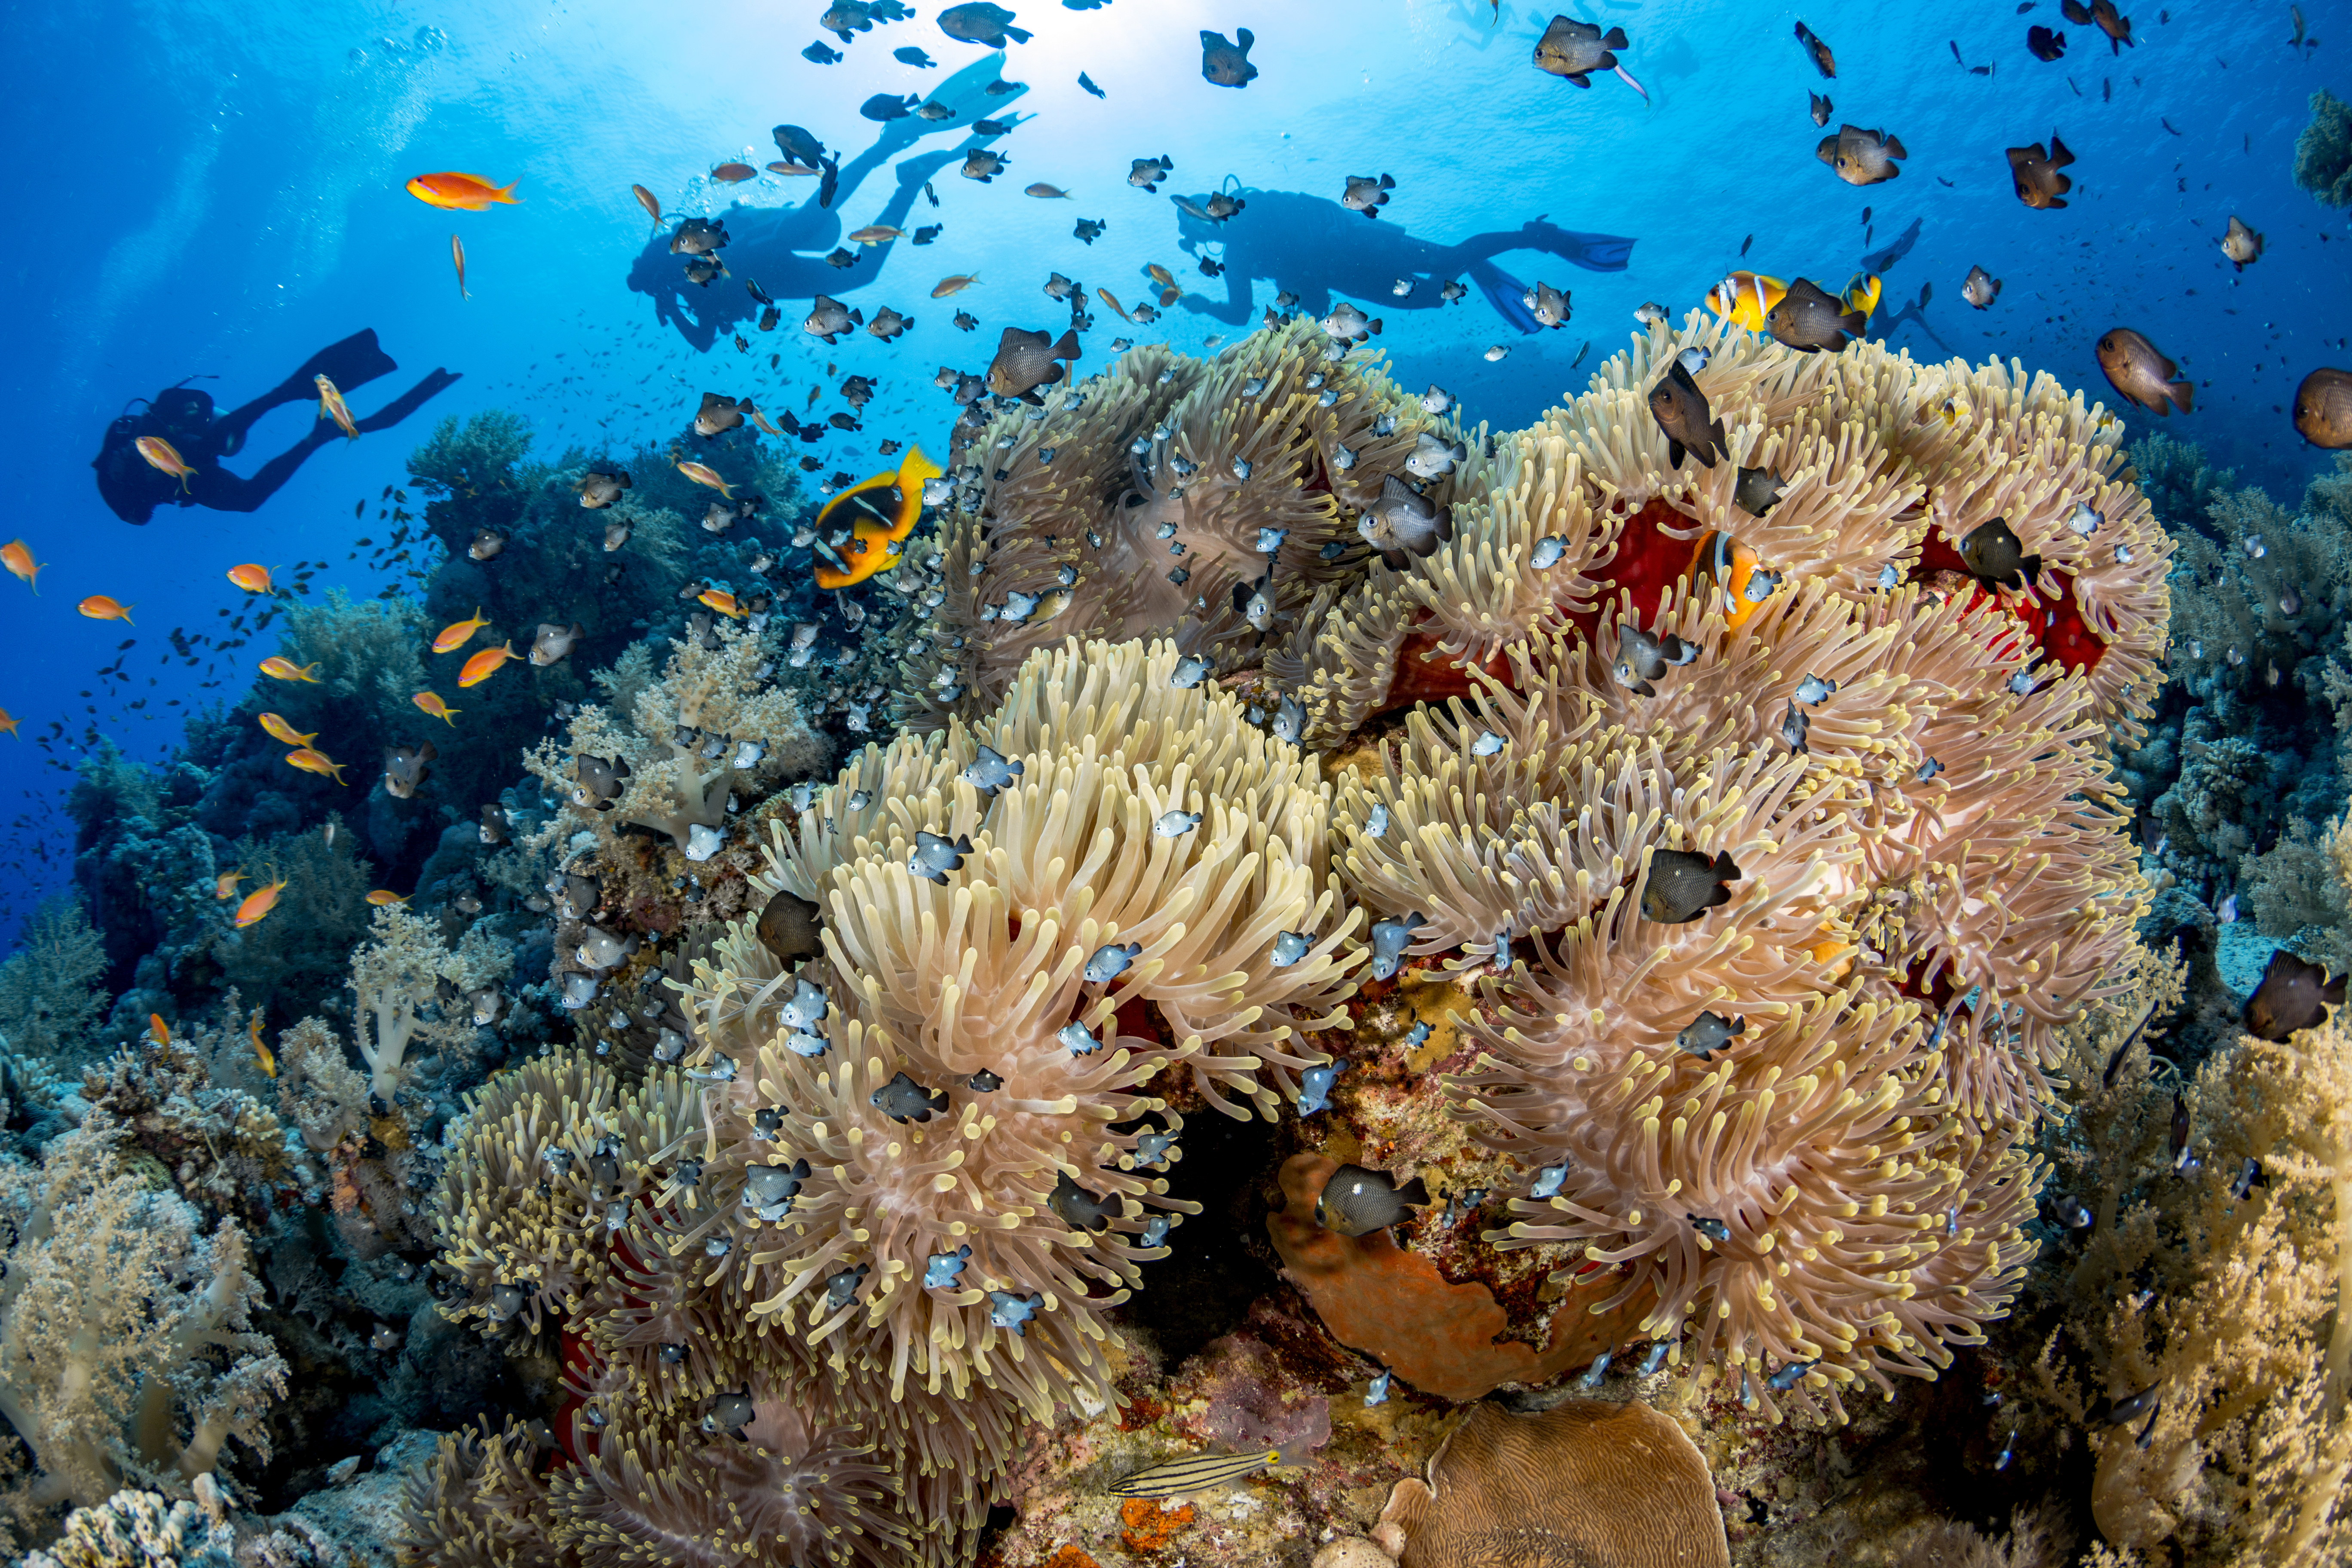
point(224, 885)
point(457, 255)
point(332, 407)
point(257, 903)
point(283, 669)
point(431, 702)
point(316, 761)
point(278, 728)
point(459, 193)
point(19, 561)
point(99, 607)
point(881, 512)
point(648, 201)
point(260, 1052)
point(455, 634)
point(384, 896)
point(161, 453)
point(253, 579)
point(702, 475)
point(720, 600)
point(9, 724)
point(1105, 296)
point(157, 1030)
point(485, 664)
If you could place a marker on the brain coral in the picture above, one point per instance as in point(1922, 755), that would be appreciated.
point(1906, 766)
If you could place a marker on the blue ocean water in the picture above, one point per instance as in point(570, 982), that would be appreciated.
point(215, 191)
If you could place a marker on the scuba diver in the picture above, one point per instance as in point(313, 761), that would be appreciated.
point(184, 415)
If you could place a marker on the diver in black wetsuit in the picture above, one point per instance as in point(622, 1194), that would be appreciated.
point(184, 415)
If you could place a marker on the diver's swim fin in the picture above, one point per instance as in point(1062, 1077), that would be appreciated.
point(355, 362)
point(408, 402)
point(1506, 293)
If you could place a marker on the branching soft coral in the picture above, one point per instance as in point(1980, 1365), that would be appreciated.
point(396, 979)
point(126, 1351)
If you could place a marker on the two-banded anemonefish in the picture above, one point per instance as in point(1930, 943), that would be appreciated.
point(881, 512)
point(1747, 297)
point(1722, 561)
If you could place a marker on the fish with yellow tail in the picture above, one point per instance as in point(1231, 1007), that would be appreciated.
point(1745, 298)
point(460, 193)
point(384, 898)
point(332, 406)
point(278, 729)
point(701, 475)
point(100, 607)
point(260, 1052)
point(279, 667)
point(881, 512)
point(430, 701)
point(720, 600)
point(1206, 1473)
point(164, 457)
point(157, 1030)
point(457, 634)
point(485, 664)
point(312, 761)
point(258, 903)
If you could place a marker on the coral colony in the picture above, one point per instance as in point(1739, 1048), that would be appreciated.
point(1648, 900)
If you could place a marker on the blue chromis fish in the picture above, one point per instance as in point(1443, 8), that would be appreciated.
point(990, 772)
point(1487, 744)
point(1709, 1032)
point(1548, 1180)
point(1202, 1472)
point(941, 1269)
point(904, 1100)
point(804, 1044)
point(1390, 937)
point(1789, 1376)
point(1656, 1358)
point(1813, 691)
point(1110, 960)
point(1379, 1391)
point(1418, 1035)
point(1175, 824)
point(935, 857)
point(1075, 1036)
point(807, 1006)
point(1080, 1209)
point(1151, 1148)
point(1315, 1088)
point(841, 1289)
point(1289, 720)
point(1155, 1231)
point(1547, 552)
point(1376, 822)
point(1009, 1309)
point(1289, 947)
point(1191, 670)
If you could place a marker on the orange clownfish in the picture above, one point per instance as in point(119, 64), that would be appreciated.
point(459, 193)
point(485, 664)
point(384, 896)
point(18, 559)
point(332, 407)
point(720, 600)
point(455, 634)
point(1746, 299)
point(99, 607)
point(278, 729)
point(881, 512)
point(1860, 293)
point(283, 669)
point(257, 903)
point(9, 724)
point(224, 885)
point(316, 761)
point(1729, 565)
point(253, 579)
point(260, 1052)
point(431, 702)
point(705, 476)
point(161, 453)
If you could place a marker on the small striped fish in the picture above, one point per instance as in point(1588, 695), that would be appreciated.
point(1198, 1472)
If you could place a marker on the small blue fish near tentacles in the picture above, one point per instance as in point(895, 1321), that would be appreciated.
point(1191, 670)
point(1269, 540)
point(942, 1269)
point(1379, 1391)
point(860, 799)
point(2007, 1445)
point(807, 1009)
point(1151, 1148)
point(841, 1289)
point(1789, 1376)
point(1333, 551)
point(1079, 1208)
point(1487, 744)
point(1010, 1310)
point(935, 857)
point(1418, 1035)
point(990, 772)
point(1812, 691)
point(904, 1100)
point(1655, 1359)
point(1376, 822)
point(1712, 1228)
point(1075, 1036)
point(1548, 1180)
point(1289, 947)
point(1761, 585)
point(1503, 948)
point(720, 1070)
point(768, 1190)
point(767, 1122)
point(983, 1082)
point(1110, 960)
point(718, 1246)
point(1289, 720)
point(1600, 1369)
point(1175, 824)
point(1890, 577)
point(1709, 1032)
point(1928, 770)
point(1390, 939)
point(1547, 552)
point(803, 1043)
point(2249, 1176)
point(1315, 1088)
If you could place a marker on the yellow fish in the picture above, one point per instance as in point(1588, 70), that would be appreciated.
point(257, 903)
point(456, 634)
point(315, 761)
point(431, 702)
point(384, 896)
point(224, 885)
point(881, 512)
point(459, 193)
point(1746, 297)
point(260, 1052)
point(278, 728)
point(1860, 293)
point(485, 664)
point(720, 600)
point(332, 407)
point(702, 475)
point(253, 579)
point(284, 669)
point(19, 561)
point(161, 453)
point(99, 607)
point(157, 1030)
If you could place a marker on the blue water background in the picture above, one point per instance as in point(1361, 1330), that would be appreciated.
point(213, 189)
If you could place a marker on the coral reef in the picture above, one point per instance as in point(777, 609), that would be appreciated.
point(2323, 153)
point(139, 1529)
point(50, 997)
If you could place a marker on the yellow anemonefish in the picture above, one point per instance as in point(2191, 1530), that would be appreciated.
point(279, 730)
point(720, 600)
point(431, 702)
point(161, 455)
point(332, 407)
point(316, 761)
point(456, 633)
point(99, 607)
point(284, 669)
point(18, 559)
point(1860, 293)
point(252, 578)
point(1724, 561)
point(257, 903)
point(881, 512)
point(485, 664)
point(1746, 299)
point(459, 193)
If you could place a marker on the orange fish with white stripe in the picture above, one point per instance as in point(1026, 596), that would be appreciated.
point(460, 193)
point(257, 903)
point(1746, 299)
point(18, 558)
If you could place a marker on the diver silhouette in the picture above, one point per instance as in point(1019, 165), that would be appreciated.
point(1316, 248)
point(783, 249)
point(184, 415)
